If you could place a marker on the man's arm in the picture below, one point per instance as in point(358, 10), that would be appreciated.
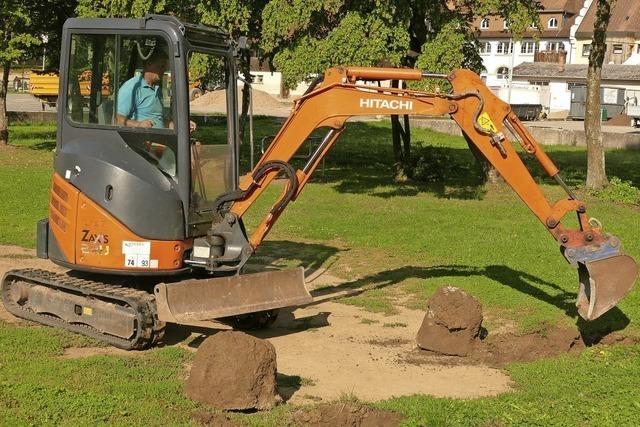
point(123, 121)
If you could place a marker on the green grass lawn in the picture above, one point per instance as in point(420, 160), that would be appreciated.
point(402, 240)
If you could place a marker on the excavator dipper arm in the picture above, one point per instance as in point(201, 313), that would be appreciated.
point(606, 275)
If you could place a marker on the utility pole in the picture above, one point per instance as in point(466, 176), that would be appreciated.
point(513, 53)
point(44, 39)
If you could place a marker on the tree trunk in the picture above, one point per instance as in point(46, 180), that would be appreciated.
point(4, 120)
point(596, 173)
point(401, 137)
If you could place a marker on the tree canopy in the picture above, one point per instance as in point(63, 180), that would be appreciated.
point(304, 37)
point(25, 22)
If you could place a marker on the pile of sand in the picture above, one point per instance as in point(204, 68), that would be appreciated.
point(618, 120)
point(217, 100)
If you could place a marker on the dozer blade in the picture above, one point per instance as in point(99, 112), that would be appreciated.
point(603, 283)
point(193, 300)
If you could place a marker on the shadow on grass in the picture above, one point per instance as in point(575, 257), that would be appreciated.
point(362, 161)
point(34, 137)
point(528, 284)
point(281, 254)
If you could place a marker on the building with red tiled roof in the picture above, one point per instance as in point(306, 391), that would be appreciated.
point(623, 33)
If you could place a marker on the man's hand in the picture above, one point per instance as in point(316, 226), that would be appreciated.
point(148, 123)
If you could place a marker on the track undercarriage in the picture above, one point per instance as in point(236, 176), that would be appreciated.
point(120, 316)
point(129, 318)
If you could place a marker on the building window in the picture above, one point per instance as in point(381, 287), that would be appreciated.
point(504, 48)
point(527, 47)
point(538, 83)
point(484, 24)
point(505, 24)
point(503, 73)
point(617, 48)
point(555, 46)
point(586, 49)
point(638, 49)
point(485, 48)
point(553, 23)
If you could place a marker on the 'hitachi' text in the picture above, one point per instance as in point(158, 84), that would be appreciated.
point(383, 103)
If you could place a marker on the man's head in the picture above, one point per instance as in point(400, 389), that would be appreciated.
point(155, 65)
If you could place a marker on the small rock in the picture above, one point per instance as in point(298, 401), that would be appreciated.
point(234, 371)
point(452, 322)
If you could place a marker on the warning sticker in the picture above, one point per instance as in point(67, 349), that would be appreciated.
point(136, 254)
point(485, 123)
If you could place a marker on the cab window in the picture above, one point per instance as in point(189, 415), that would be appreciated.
point(124, 82)
point(90, 90)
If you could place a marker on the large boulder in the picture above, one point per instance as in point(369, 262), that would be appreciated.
point(234, 371)
point(452, 322)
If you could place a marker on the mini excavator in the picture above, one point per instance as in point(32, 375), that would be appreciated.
point(150, 223)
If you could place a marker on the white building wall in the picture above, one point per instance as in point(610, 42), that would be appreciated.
point(493, 61)
point(270, 82)
point(575, 54)
point(556, 97)
point(559, 97)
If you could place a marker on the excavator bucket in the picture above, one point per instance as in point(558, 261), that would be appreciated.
point(194, 300)
point(603, 283)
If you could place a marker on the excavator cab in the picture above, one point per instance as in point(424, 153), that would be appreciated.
point(126, 164)
point(132, 188)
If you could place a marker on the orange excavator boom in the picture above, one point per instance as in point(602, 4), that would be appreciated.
point(606, 274)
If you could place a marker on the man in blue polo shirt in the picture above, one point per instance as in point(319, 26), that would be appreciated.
point(140, 98)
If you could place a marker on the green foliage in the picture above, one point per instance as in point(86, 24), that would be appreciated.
point(130, 8)
point(619, 191)
point(16, 34)
point(451, 48)
point(307, 36)
point(206, 70)
point(519, 13)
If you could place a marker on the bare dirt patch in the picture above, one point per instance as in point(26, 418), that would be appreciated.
point(342, 355)
point(347, 415)
point(498, 350)
point(333, 353)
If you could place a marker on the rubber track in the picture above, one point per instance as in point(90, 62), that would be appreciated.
point(149, 330)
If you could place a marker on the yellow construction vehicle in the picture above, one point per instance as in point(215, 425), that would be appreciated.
point(134, 197)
